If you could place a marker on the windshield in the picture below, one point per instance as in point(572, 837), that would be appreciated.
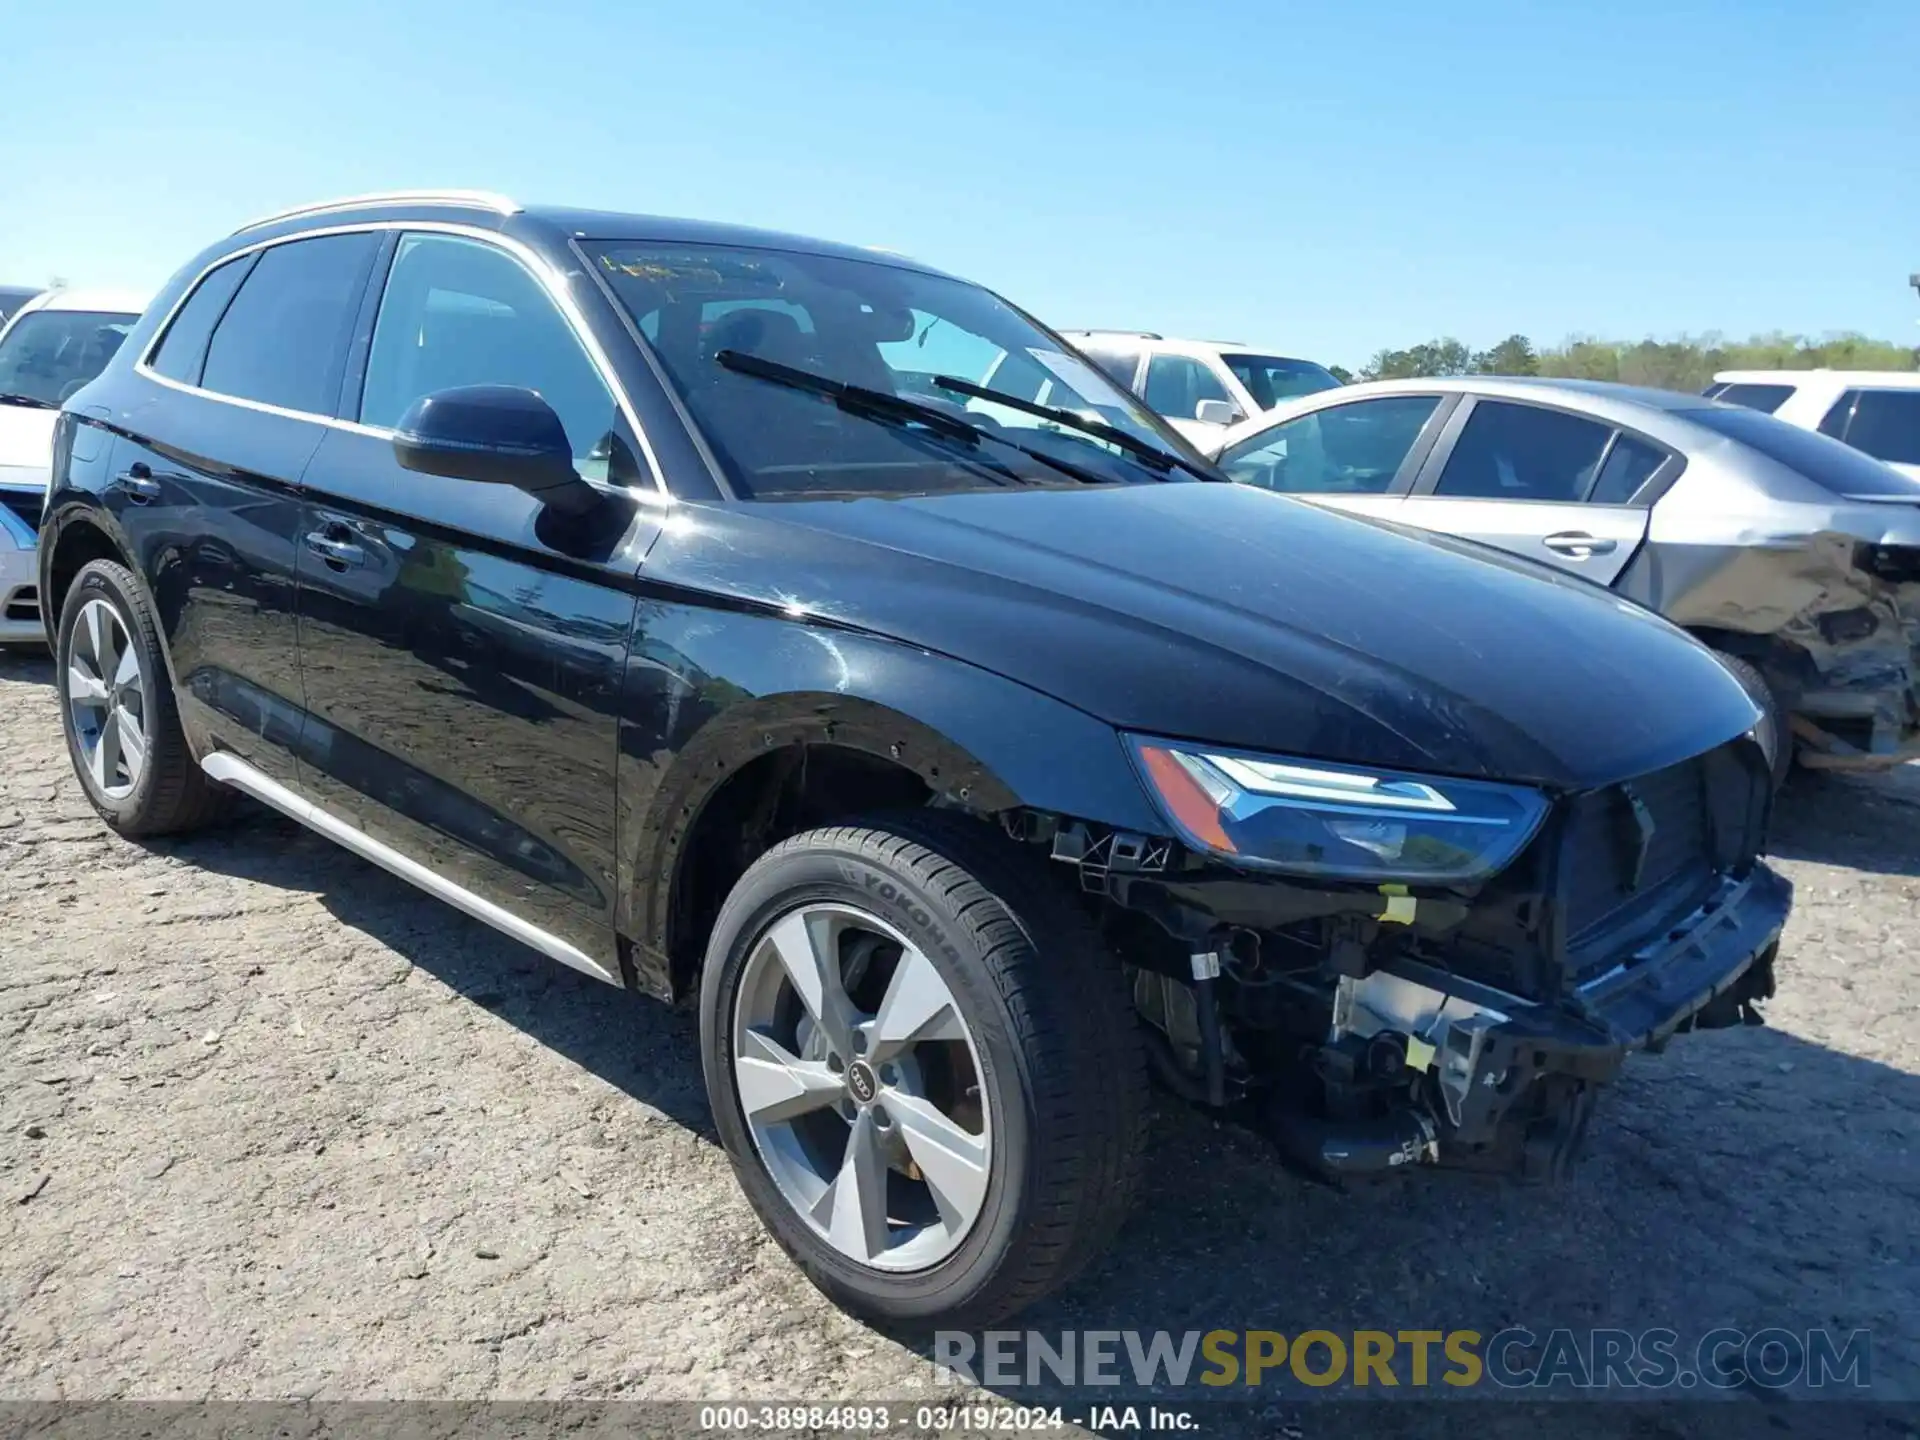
point(1827, 462)
point(49, 354)
point(1271, 379)
point(877, 326)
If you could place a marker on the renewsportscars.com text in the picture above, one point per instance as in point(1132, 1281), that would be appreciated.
point(1513, 1358)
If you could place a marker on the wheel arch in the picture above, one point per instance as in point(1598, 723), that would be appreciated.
point(77, 538)
point(939, 733)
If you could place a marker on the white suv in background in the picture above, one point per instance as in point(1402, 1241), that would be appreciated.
point(1201, 386)
point(54, 344)
point(1877, 411)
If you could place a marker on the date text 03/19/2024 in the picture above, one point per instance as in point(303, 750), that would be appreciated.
point(936, 1419)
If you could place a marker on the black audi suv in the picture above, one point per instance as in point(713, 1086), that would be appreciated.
point(677, 599)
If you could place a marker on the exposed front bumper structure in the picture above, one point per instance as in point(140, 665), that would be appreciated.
point(1506, 1084)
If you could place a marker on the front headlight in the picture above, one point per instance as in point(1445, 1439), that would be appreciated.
point(1312, 818)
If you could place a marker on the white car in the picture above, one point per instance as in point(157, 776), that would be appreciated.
point(1877, 411)
point(53, 345)
point(1200, 387)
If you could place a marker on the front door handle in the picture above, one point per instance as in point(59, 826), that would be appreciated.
point(340, 554)
point(1578, 545)
point(137, 480)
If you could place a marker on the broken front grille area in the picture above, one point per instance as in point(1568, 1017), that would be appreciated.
point(1638, 857)
point(1566, 910)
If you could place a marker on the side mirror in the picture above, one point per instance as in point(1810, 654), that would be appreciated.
point(1217, 412)
point(494, 435)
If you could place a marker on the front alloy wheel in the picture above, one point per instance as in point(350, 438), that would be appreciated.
point(924, 1067)
point(860, 1084)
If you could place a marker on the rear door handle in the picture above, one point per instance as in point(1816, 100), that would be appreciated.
point(338, 553)
point(137, 480)
point(1578, 545)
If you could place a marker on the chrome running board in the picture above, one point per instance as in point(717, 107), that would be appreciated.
point(231, 770)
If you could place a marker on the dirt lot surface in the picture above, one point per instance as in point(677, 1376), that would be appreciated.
point(272, 1124)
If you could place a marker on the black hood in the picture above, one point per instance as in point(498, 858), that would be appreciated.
point(1226, 614)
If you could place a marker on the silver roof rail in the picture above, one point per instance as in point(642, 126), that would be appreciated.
point(477, 199)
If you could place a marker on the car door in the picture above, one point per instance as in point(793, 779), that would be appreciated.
point(1541, 482)
point(205, 484)
point(462, 646)
point(1360, 456)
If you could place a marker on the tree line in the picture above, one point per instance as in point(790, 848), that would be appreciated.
point(1688, 363)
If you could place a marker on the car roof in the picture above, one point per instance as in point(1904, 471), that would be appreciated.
point(551, 223)
point(1638, 407)
point(621, 225)
point(1176, 344)
point(1531, 387)
point(1884, 379)
point(115, 302)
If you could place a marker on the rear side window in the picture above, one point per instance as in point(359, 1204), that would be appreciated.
point(1521, 452)
point(1352, 449)
point(1764, 398)
point(284, 338)
point(1834, 467)
point(1630, 464)
point(183, 349)
point(1886, 424)
point(1176, 384)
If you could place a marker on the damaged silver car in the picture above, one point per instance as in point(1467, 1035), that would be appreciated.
point(1796, 557)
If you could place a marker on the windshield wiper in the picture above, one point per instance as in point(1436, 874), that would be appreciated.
point(879, 405)
point(1151, 456)
point(32, 402)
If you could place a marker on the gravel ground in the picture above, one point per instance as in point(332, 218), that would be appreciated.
point(272, 1124)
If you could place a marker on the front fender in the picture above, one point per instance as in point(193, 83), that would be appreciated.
point(707, 692)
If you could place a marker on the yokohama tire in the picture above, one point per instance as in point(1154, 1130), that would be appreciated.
point(1059, 1058)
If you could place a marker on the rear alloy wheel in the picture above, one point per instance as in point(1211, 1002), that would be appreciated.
point(923, 1066)
point(123, 732)
point(105, 707)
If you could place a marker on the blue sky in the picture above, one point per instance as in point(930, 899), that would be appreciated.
point(1325, 179)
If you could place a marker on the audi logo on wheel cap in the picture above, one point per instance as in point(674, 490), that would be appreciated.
point(860, 1082)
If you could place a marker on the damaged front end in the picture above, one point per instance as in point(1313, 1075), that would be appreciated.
point(1374, 1025)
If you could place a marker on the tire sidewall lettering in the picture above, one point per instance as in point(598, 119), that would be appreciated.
point(888, 896)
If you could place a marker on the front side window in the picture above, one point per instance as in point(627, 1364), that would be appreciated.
point(1176, 384)
point(1352, 449)
point(1272, 380)
point(1521, 452)
point(1764, 398)
point(46, 356)
point(733, 326)
point(283, 339)
point(1886, 424)
point(463, 312)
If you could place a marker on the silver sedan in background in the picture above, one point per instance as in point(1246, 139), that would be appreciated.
point(1793, 555)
